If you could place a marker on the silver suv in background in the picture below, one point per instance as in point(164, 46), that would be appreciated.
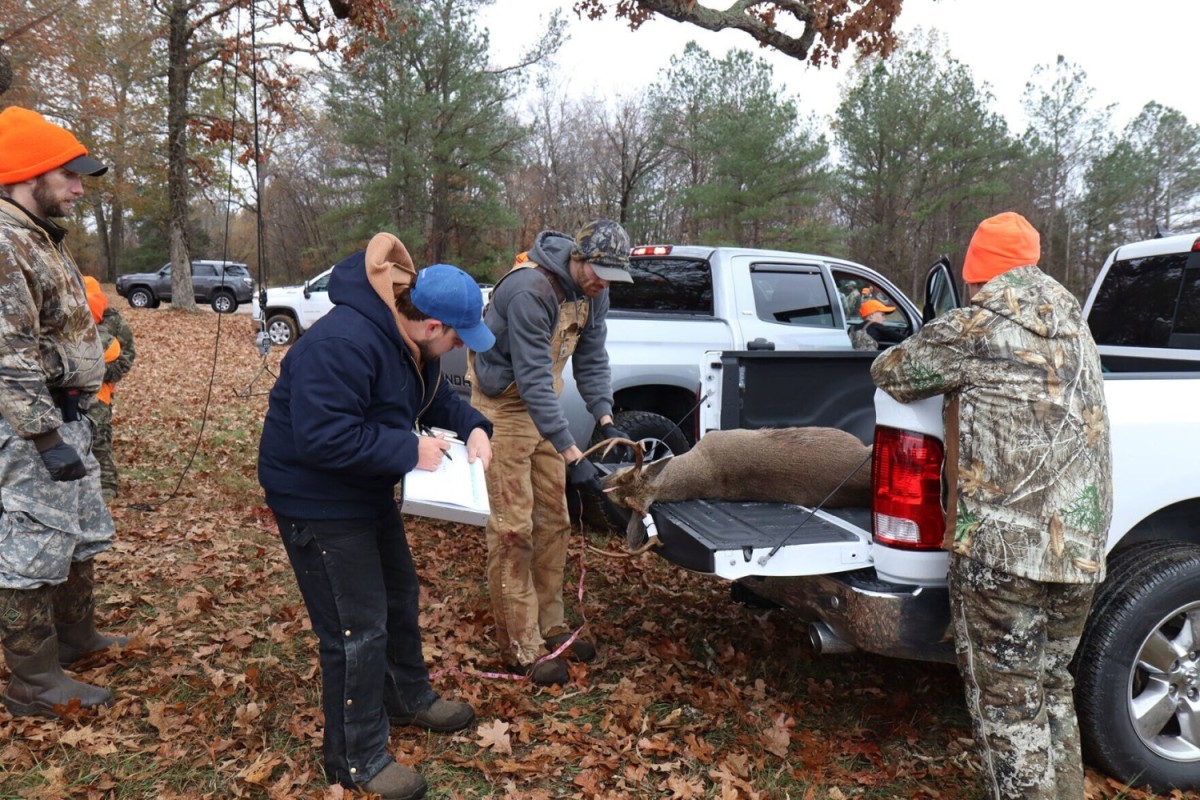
point(222, 284)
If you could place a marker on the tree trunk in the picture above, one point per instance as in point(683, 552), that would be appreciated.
point(182, 295)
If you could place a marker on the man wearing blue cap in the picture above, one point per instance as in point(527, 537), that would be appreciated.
point(339, 434)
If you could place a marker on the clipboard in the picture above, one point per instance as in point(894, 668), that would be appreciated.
point(456, 491)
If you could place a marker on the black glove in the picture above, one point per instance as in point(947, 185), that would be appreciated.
point(583, 475)
point(63, 463)
point(621, 452)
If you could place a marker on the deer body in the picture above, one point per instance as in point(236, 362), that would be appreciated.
point(786, 465)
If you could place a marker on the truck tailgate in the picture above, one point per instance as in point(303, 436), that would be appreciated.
point(733, 540)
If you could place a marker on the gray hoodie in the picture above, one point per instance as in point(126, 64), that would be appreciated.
point(523, 314)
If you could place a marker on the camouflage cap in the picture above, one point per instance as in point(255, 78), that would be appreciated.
point(605, 245)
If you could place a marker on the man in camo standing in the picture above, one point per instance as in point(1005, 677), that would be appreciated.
point(1028, 459)
point(53, 520)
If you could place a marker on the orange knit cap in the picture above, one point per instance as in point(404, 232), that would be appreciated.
point(1001, 243)
point(96, 300)
point(30, 145)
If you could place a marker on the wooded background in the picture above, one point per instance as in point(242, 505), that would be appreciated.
point(394, 119)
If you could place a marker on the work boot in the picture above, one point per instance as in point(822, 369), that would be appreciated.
point(397, 782)
point(74, 600)
point(551, 672)
point(38, 684)
point(444, 716)
point(580, 649)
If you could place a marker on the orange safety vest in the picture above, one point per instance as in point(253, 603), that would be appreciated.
point(111, 354)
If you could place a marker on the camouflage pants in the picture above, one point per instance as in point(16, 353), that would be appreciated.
point(47, 524)
point(100, 414)
point(527, 532)
point(1014, 638)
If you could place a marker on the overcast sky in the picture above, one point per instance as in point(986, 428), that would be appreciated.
point(1128, 61)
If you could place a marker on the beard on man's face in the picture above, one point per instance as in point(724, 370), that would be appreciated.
point(43, 195)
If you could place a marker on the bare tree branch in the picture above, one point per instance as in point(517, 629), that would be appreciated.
point(825, 28)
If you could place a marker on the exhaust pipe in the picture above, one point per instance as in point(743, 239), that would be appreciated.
point(826, 642)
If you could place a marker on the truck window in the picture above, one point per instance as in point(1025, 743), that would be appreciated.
point(791, 297)
point(203, 270)
point(1186, 331)
point(680, 285)
point(1135, 305)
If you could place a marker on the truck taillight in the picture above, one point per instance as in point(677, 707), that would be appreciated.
point(907, 478)
point(651, 250)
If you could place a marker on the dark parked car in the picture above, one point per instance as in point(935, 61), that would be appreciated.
point(222, 284)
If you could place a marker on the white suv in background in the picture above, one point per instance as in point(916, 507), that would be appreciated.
point(291, 310)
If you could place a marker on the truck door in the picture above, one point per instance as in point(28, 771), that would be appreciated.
point(317, 303)
point(941, 292)
point(789, 305)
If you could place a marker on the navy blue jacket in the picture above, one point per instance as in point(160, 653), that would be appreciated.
point(338, 434)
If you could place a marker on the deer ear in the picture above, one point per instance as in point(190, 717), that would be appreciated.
point(651, 470)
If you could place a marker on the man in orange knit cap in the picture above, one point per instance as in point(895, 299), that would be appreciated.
point(1028, 458)
point(51, 366)
point(116, 337)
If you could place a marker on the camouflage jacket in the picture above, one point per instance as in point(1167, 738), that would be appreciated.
point(48, 340)
point(1027, 439)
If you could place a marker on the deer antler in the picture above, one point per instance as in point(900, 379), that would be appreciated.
point(608, 444)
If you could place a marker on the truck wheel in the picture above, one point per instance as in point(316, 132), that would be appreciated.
point(659, 438)
point(1137, 670)
point(281, 329)
point(141, 298)
point(224, 303)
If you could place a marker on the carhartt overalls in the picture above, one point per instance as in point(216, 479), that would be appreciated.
point(528, 530)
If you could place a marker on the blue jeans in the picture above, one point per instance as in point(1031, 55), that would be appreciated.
point(361, 591)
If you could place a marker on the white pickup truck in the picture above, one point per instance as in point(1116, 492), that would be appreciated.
point(1137, 669)
point(685, 301)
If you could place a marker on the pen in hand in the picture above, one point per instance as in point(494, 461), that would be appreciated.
point(426, 431)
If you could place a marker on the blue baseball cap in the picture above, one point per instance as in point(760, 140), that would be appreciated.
point(452, 297)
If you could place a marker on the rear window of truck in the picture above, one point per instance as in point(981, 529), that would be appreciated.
point(1144, 301)
point(671, 285)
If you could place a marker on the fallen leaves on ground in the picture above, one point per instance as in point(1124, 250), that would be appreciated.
point(218, 694)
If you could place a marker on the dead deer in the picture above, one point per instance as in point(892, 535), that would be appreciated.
point(785, 465)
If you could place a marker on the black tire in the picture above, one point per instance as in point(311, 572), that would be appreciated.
point(659, 438)
point(281, 329)
point(141, 298)
point(224, 303)
point(1137, 669)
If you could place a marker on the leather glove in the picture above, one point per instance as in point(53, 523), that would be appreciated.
point(584, 476)
point(63, 463)
point(620, 452)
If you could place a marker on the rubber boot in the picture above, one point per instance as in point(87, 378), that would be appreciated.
point(38, 684)
point(77, 640)
point(75, 616)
